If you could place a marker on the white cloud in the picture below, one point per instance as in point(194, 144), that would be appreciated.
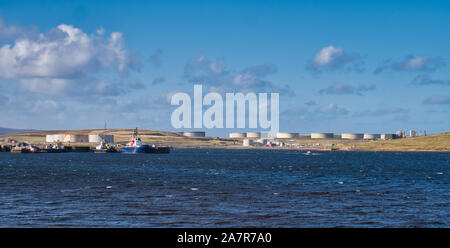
point(332, 58)
point(411, 63)
point(326, 55)
point(213, 73)
point(62, 59)
point(100, 31)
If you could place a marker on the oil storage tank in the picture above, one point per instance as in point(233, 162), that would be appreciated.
point(194, 134)
point(97, 138)
point(51, 138)
point(76, 138)
point(352, 136)
point(368, 136)
point(287, 135)
point(254, 135)
point(238, 135)
point(322, 135)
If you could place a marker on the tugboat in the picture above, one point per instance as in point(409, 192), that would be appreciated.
point(55, 148)
point(136, 146)
point(104, 147)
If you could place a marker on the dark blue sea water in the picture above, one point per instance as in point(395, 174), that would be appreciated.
point(225, 188)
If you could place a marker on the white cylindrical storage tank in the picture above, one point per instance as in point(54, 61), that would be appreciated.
point(76, 138)
point(262, 141)
point(238, 135)
point(253, 135)
point(50, 138)
point(287, 135)
point(322, 135)
point(97, 138)
point(194, 134)
point(247, 142)
point(352, 136)
point(369, 136)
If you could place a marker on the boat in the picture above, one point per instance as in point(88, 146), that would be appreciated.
point(104, 147)
point(55, 148)
point(21, 148)
point(308, 153)
point(136, 146)
point(5, 148)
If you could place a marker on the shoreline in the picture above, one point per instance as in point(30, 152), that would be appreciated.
point(433, 143)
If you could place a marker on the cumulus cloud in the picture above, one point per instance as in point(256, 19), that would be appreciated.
point(427, 80)
point(411, 63)
point(437, 100)
point(100, 31)
point(333, 58)
point(63, 59)
point(345, 89)
point(214, 74)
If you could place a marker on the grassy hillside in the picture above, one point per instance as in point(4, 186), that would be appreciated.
point(437, 142)
point(124, 135)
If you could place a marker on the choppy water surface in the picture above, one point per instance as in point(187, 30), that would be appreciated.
point(225, 188)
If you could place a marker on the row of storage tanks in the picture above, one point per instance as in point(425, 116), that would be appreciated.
point(350, 136)
point(78, 138)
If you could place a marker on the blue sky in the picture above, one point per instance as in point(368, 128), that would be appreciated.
point(340, 66)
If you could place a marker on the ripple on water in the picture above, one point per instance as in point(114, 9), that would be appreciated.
point(220, 188)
